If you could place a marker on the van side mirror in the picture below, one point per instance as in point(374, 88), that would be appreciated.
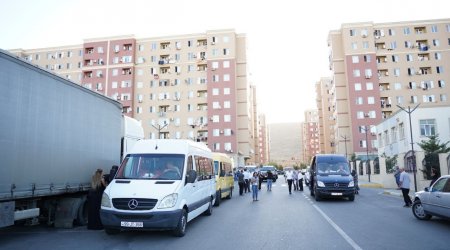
point(191, 176)
point(427, 189)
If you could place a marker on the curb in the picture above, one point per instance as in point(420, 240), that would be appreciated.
point(371, 185)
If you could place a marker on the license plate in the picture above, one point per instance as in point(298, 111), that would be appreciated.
point(337, 194)
point(131, 224)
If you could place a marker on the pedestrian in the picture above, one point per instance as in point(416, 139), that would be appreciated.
point(434, 176)
point(404, 185)
point(247, 177)
point(295, 179)
point(269, 180)
point(254, 182)
point(397, 176)
point(289, 178)
point(260, 178)
point(95, 199)
point(110, 177)
point(241, 181)
point(355, 181)
point(300, 181)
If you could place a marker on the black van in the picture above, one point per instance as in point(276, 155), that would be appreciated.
point(330, 177)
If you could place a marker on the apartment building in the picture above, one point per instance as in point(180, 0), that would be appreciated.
point(310, 135)
point(190, 86)
point(263, 146)
point(377, 66)
point(325, 100)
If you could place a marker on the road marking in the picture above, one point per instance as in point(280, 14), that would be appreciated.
point(338, 229)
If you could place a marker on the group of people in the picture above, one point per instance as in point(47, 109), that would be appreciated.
point(294, 177)
point(246, 180)
point(99, 181)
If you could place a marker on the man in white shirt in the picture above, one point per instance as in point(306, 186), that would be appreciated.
point(247, 177)
point(404, 185)
point(289, 178)
point(300, 181)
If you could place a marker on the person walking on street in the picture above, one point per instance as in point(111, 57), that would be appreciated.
point(404, 185)
point(247, 177)
point(261, 178)
point(269, 180)
point(254, 182)
point(241, 181)
point(289, 178)
point(434, 176)
point(300, 181)
point(355, 181)
point(397, 175)
point(295, 179)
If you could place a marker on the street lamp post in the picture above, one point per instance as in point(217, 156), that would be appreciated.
point(159, 128)
point(409, 111)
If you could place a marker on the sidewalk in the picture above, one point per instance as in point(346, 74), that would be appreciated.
point(388, 191)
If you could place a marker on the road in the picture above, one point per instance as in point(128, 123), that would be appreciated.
point(277, 221)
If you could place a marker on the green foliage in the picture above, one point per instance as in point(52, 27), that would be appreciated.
point(391, 162)
point(433, 145)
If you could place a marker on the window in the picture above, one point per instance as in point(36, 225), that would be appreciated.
point(362, 143)
point(437, 56)
point(434, 29)
point(368, 73)
point(399, 99)
point(227, 146)
point(216, 132)
point(359, 100)
point(227, 118)
point(427, 127)
point(397, 72)
point(215, 91)
point(216, 146)
point(226, 77)
point(357, 86)
point(355, 59)
point(394, 58)
point(215, 118)
point(406, 31)
point(409, 57)
point(370, 100)
point(365, 45)
point(439, 69)
point(397, 86)
point(356, 73)
point(391, 32)
point(226, 39)
point(367, 58)
point(352, 32)
point(227, 104)
point(354, 45)
point(436, 42)
point(360, 115)
point(215, 65)
point(226, 91)
point(115, 72)
point(401, 131)
point(369, 86)
point(216, 105)
point(226, 64)
point(443, 97)
point(226, 52)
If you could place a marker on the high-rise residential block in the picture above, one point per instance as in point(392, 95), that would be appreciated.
point(190, 86)
point(310, 135)
point(377, 66)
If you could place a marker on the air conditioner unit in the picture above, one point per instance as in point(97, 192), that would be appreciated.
point(221, 131)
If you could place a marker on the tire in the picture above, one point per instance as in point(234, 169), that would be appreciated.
point(351, 197)
point(419, 212)
point(208, 211)
point(180, 230)
point(218, 198)
point(274, 180)
point(82, 214)
point(317, 196)
point(110, 231)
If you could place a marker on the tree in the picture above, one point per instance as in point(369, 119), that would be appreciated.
point(391, 162)
point(432, 147)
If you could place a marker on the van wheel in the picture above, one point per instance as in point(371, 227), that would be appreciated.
point(218, 198)
point(208, 211)
point(180, 230)
point(317, 196)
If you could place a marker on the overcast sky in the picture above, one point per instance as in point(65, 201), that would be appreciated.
point(286, 40)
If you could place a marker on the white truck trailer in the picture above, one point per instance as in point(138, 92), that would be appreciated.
point(54, 134)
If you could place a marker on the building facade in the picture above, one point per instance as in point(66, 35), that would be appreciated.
point(379, 66)
point(310, 135)
point(325, 100)
point(186, 86)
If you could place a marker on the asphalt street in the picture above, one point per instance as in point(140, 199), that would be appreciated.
point(278, 220)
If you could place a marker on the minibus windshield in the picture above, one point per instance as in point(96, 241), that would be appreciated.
point(333, 168)
point(152, 166)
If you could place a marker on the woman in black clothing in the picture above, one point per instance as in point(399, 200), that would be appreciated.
point(95, 199)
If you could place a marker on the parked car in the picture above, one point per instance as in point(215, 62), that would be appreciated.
point(263, 173)
point(433, 201)
point(280, 172)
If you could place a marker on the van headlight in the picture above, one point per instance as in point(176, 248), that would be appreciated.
point(320, 184)
point(168, 201)
point(105, 200)
point(351, 184)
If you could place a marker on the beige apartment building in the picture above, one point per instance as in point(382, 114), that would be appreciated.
point(310, 135)
point(377, 66)
point(325, 100)
point(190, 86)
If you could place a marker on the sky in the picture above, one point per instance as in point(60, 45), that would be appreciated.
point(287, 50)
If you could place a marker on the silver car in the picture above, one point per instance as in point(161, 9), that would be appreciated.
point(434, 200)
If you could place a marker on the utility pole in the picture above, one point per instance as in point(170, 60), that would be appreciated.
point(409, 111)
point(159, 128)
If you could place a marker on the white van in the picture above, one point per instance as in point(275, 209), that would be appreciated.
point(160, 185)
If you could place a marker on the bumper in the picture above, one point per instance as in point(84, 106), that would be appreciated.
point(166, 220)
point(324, 192)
